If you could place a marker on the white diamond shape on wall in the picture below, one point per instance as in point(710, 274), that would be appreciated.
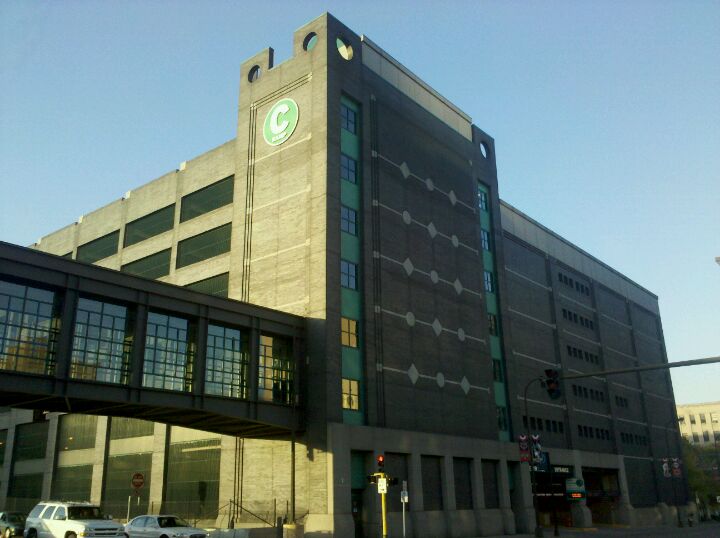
point(432, 230)
point(413, 374)
point(436, 327)
point(465, 385)
point(404, 170)
point(453, 198)
point(408, 266)
point(458, 286)
point(440, 379)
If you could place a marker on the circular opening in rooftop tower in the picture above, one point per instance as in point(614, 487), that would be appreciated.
point(254, 73)
point(484, 149)
point(310, 41)
point(344, 48)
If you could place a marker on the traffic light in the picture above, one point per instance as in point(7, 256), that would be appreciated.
point(380, 463)
point(552, 383)
point(372, 479)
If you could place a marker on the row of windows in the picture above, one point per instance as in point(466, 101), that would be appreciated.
point(103, 340)
point(193, 205)
point(594, 433)
point(621, 402)
point(705, 435)
point(582, 288)
point(714, 417)
point(581, 354)
point(633, 439)
point(592, 394)
point(575, 318)
point(189, 251)
point(550, 426)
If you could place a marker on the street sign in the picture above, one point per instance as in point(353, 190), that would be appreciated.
point(404, 493)
point(575, 489)
point(137, 481)
point(382, 485)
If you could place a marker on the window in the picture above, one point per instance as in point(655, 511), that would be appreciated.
point(482, 200)
point(150, 225)
point(348, 332)
point(493, 324)
point(276, 370)
point(350, 394)
point(488, 281)
point(431, 482)
point(706, 436)
point(30, 441)
point(226, 364)
point(702, 418)
point(692, 419)
point(203, 246)
point(169, 353)
point(696, 437)
point(348, 275)
point(215, 285)
point(153, 266)
point(462, 473)
point(102, 342)
point(485, 240)
point(681, 420)
point(348, 220)
point(206, 199)
point(498, 371)
point(98, 249)
point(348, 118)
point(348, 168)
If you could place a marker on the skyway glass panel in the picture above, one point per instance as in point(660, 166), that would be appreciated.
point(102, 342)
point(150, 225)
point(275, 370)
point(98, 249)
point(203, 246)
point(29, 328)
point(226, 364)
point(169, 353)
point(153, 266)
point(205, 200)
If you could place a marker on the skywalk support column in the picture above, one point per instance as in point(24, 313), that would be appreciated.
point(580, 512)
point(624, 513)
point(50, 452)
point(161, 442)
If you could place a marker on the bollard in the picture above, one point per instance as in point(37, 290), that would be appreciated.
point(279, 528)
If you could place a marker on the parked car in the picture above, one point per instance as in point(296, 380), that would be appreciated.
point(162, 526)
point(58, 519)
point(12, 524)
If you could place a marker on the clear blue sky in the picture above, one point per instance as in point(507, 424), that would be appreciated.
point(606, 117)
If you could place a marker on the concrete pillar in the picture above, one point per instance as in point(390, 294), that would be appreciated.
point(99, 460)
point(504, 497)
point(228, 473)
point(415, 482)
point(161, 440)
point(624, 513)
point(8, 461)
point(580, 512)
point(522, 500)
point(50, 452)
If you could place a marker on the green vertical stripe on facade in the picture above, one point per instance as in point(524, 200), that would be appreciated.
point(350, 247)
point(350, 304)
point(357, 470)
point(350, 195)
point(351, 363)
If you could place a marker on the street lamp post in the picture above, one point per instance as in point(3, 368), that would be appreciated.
point(672, 477)
point(538, 528)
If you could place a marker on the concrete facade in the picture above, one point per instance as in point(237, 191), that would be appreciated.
point(700, 423)
point(439, 388)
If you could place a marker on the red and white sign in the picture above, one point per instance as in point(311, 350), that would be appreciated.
point(138, 480)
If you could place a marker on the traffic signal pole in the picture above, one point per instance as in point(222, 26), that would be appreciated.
point(384, 515)
point(538, 528)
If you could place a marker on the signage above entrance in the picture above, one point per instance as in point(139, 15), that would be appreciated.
point(280, 121)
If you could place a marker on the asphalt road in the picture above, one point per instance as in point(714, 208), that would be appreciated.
point(703, 530)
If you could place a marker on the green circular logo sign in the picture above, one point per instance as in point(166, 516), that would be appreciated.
point(280, 122)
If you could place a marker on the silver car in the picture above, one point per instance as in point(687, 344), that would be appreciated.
point(162, 526)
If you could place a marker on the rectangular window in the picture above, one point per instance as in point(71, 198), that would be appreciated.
point(226, 364)
point(348, 168)
point(462, 473)
point(702, 418)
point(348, 332)
point(206, 199)
point(491, 486)
point(482, 200)
point(350, 394)
point(706, 436)
point(126, 428)
point(76, 432)
point(493, 324)
point(153, 266)
point(99, 248)
point(102, 342)
point(215, 285)
point(348, 118)
point(485, 240)
point(30, 441)
point(204, 246)
point(488, 281)
point(276, 370)
point(696, 437)
point(115, 484)
point(169, 353)
point(29, 328)
point(192, 485)
point(348, 220)
point(348, 274)
point(150, 225)
point(692, 419)
point(431, 469)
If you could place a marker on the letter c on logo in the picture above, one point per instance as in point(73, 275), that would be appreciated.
point(276, 127)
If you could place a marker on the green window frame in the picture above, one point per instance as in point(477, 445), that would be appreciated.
point(204, 246)
point(99, 249)
point(207, 199)
point(150, 225)
point(154, 266)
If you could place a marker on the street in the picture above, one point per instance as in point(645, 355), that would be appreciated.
point(703, 530)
